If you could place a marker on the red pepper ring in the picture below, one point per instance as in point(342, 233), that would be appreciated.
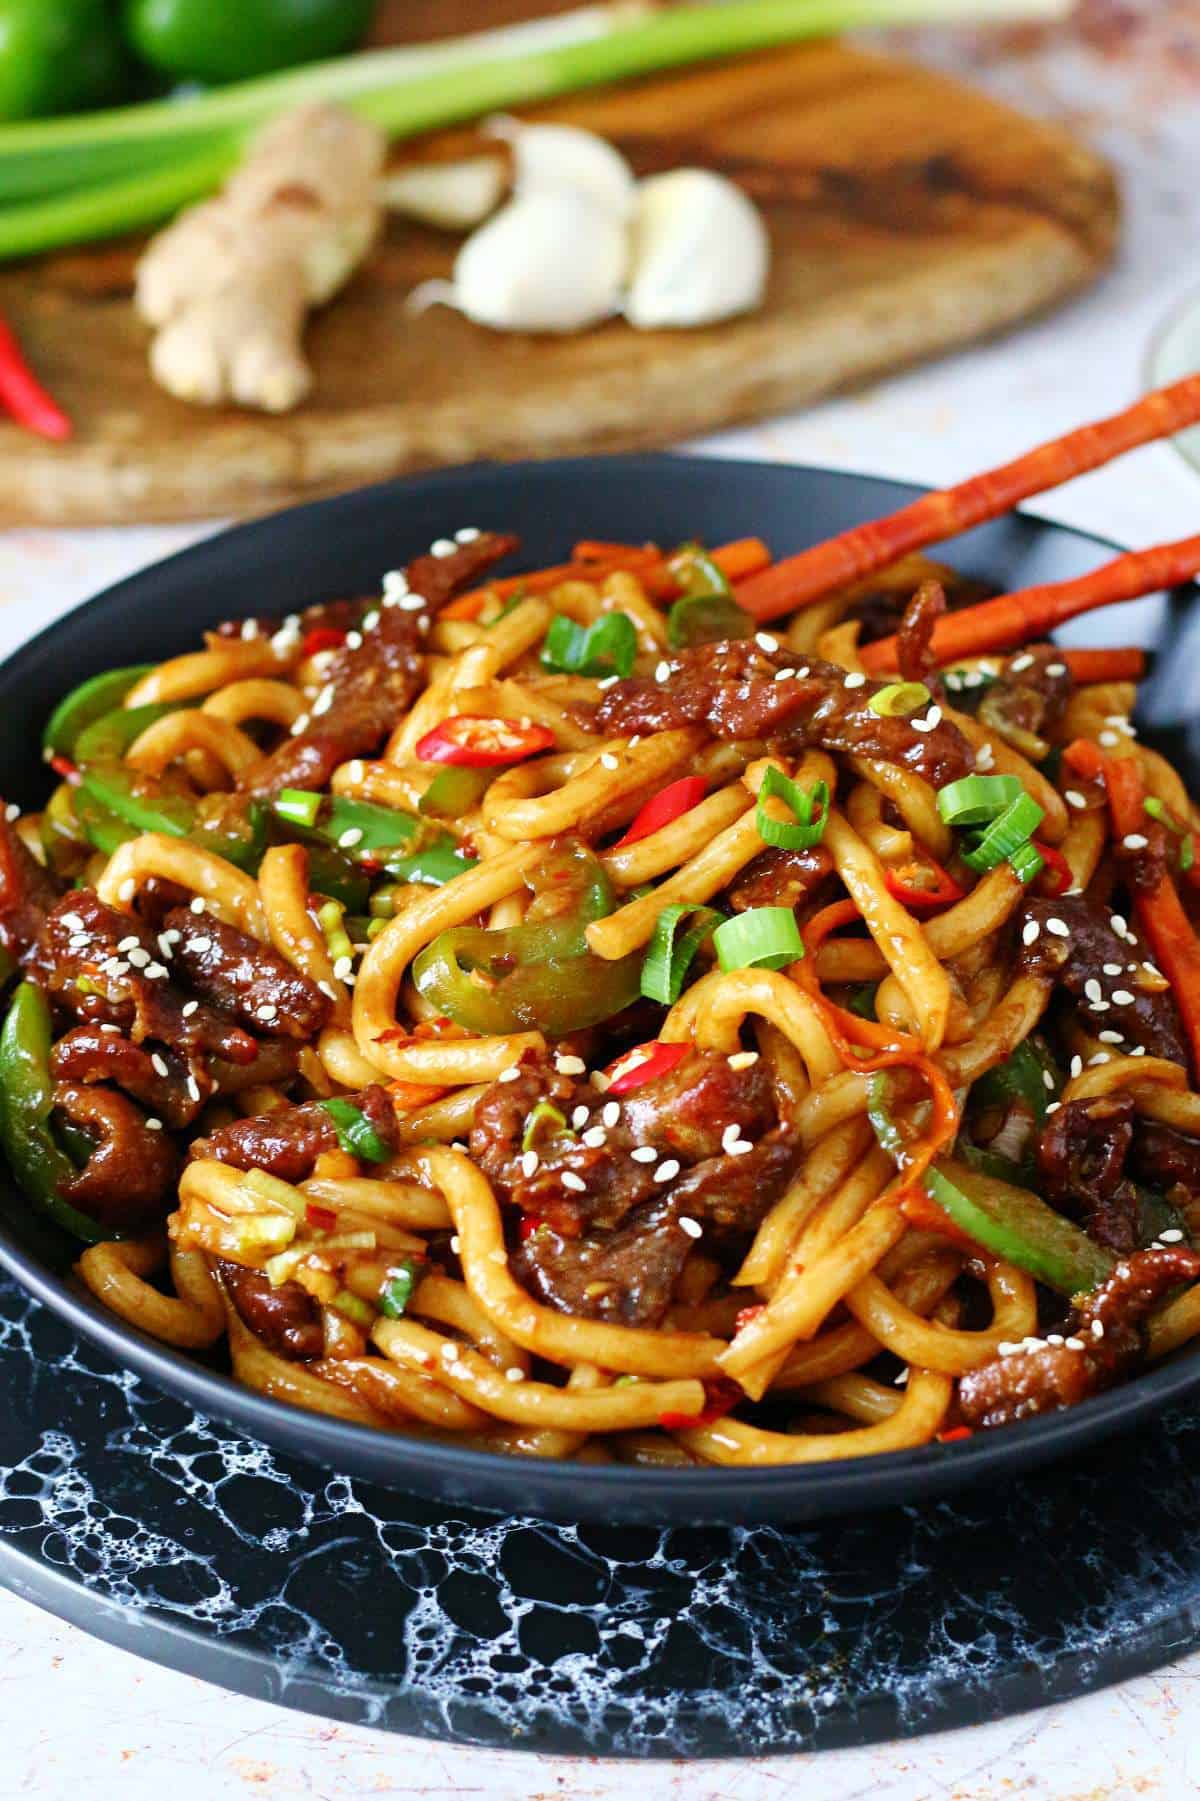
point(477, 742)
point(910, 884)
point(1057, 876)
point(322, 637)
point(634, 1068)
point(721, 1396)
point(661, 809)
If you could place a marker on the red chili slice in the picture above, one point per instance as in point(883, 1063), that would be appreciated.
point(643, 1065)
point(671, 803)
point(64, 767)
point(1056, 878)
point(322, 637)
point(922, 885)
point(478, 743)
point(530, 1225)
point(323, 1218)
point(955, 1433)
point(721, 1397)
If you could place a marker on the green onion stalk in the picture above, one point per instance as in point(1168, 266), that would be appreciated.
point(67, 181)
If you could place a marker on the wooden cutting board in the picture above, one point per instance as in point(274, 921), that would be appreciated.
point(907, 215)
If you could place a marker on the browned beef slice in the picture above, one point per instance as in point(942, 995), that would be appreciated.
point(374, 681)
point(1148, 1016)
point(27, 892)
point(879, 613)
point(1081, 1157)
point(780, 878)
point(244, 977)
point(1031, 694)
point(1165, 1158)
point(159, 1079)
point(1051, 1377)
point(287, 1319)
point(129, 1180)
point(287, 1142)
point(731, 689)
point(915, 658)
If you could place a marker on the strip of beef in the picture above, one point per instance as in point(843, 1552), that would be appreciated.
point(287, 1319)
point(880, 612)
point(79, 961)
point(27, 892)
point(1027, 700)
point(1105, 1343)
point(1137, 1002)
point(338, 615)
point(1081, 1157)
point(780, 878)
point(1168, 1159)
point(732, 688)
point(129, 1180)
point(170, 1088)
point(606, 1241)
point(915, 656)
point(287, 1142)
point(243, 977)
point(373, 681)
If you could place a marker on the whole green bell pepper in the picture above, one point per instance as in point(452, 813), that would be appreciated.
point(59, 56)
point(204, 40)
point(539, 976)
point(26, 1099)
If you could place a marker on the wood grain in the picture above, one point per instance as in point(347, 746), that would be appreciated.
point(908, 216)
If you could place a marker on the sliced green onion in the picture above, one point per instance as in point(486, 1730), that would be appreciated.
point(862, 1000)
point(299, 806)
point(355, 1133)
point(879, 1102)
point(811, 813)
point(1187, 853)
point(669, 957)
point(331, 917)
point(354, 1308)
point(899, 699)
point(1156, 810)
point(977, 799)
point(1006, 834)
point(606, 647)
point(544, 1115)
point(706, 619)
point(510, 606)
point(763, 938)
point(1027, 861)
point(397, 1291)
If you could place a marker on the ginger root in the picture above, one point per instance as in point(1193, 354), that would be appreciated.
point(228, 285)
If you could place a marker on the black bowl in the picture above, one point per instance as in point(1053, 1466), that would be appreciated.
point(342, 546)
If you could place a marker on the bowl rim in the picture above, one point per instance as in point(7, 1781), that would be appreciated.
point(865, 1481)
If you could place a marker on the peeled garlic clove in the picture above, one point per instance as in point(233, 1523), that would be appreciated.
point(455, 196)
point(545, 262)
point(547, 157)
point(700, 251)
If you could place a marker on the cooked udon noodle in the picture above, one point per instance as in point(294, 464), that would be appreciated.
point(722, 1055)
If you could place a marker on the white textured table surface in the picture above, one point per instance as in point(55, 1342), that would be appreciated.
point(77, 1715)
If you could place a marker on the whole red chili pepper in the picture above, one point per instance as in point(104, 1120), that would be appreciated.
point(23, 394)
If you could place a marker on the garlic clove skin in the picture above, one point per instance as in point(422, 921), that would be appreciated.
point(700, 252)
point(550, 262)
point(549, 157)
point(455, 196)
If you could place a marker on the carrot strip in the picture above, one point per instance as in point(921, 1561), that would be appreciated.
point(645, 564)
point(1085, 758)
point(859, 552)
point(1030, 613)
point(597, 550)
point(1106, 665)
point(741, 558)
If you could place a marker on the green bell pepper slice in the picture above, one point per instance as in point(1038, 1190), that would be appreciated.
point(706, 612)
point(1020, 1227)
point(59, 56)
point(205, 40)
point(539, 976)
point(107, 737)
point(409, 849)
point(99, 695)
point(26, 1100)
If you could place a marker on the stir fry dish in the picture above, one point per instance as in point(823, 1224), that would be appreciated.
point(672, 1007)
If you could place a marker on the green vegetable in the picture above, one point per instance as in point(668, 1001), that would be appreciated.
point(354, 1308)
point(606, 647)
point(1018, 1226)
point(221, 823)
point(359, 830)
point(355, 1133)
point(212, 41)
point(706, 612)
point(545, 1121)
point(1006, 834)
point(669, 957)
point(455, 789)
point(763, 938)
point(879, 1112)
point(1027, 861)
point(862, 999)
point(90, 701)
point(107, 738)
point(99, 824)
point(332, 874)
point(977, 799)
point(540, 975)
point(1021, 1078)
point(811, 813)
point(58, 56)
point(118, 171)
point(397, 1291)
point(899, 699)
point(26, 1100)
point(1187, 853)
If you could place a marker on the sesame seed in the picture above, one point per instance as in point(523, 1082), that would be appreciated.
point(200, 945)
point(573, 1182)
point(395, 581)
point(921, 725)
point(1058, 928)
point(189, 1008)
point(985, 757)
point(1025, 661)
point(370, 620)
point(73, 922)
point(442, 547)
point(110, 1028)
point(1007, 1348)
point(740, 1148)
point(1074, 1344)
point(1100, 1057)
point(156, 972)
point(410, 603)
point(608, 681)
point(12, 811)
point(662, 672)
point(579, 1117)
point(599, 1081)
point(1135, 841)
point(667, 1172)
point(611, 1113)
point(129, 944)
point(742, 1059)
point(1031, 933)
point(199, 905)
point(635, 741)
point(328, 990)
point(450, 1352)
point(467, 534)
point(1112, 969)
point(455, 1243)
point(322, 703)
point(1048, 1080)
point(1109, 1037)
point(594, 1138)
point(567, 1065)
point(730, 1136)
point(249, 629)
point(1053, 1108)
point(154, 1125)
point(514, 1373)
point(933, 717)
point(801, 673)
point(1093, 989)
point(784, 675)
point(608, 761)
point(765, 641)
point(1056, 669)
point(115, 967)
point(1172, 1235)
point(529, 1163)
point(1055, 1338)
point(1073, 798)
point(645, 1153)
point(353, 640)
point(350, 837)
point(509, 1075)
point(139, 958)
point(855, 679)
point(1076, 1066)
point(193, 1088)
point(1139, 1050)
point(692, 1227)
point(1123, 997)
point(268, 1011)
point(166, 943)
point(1108, 739)
point(343, 967)
point(299, 724)
point(160, 1063)
point(1097, 1328)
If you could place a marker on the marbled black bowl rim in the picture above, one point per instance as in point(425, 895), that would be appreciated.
point(555, 1488)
